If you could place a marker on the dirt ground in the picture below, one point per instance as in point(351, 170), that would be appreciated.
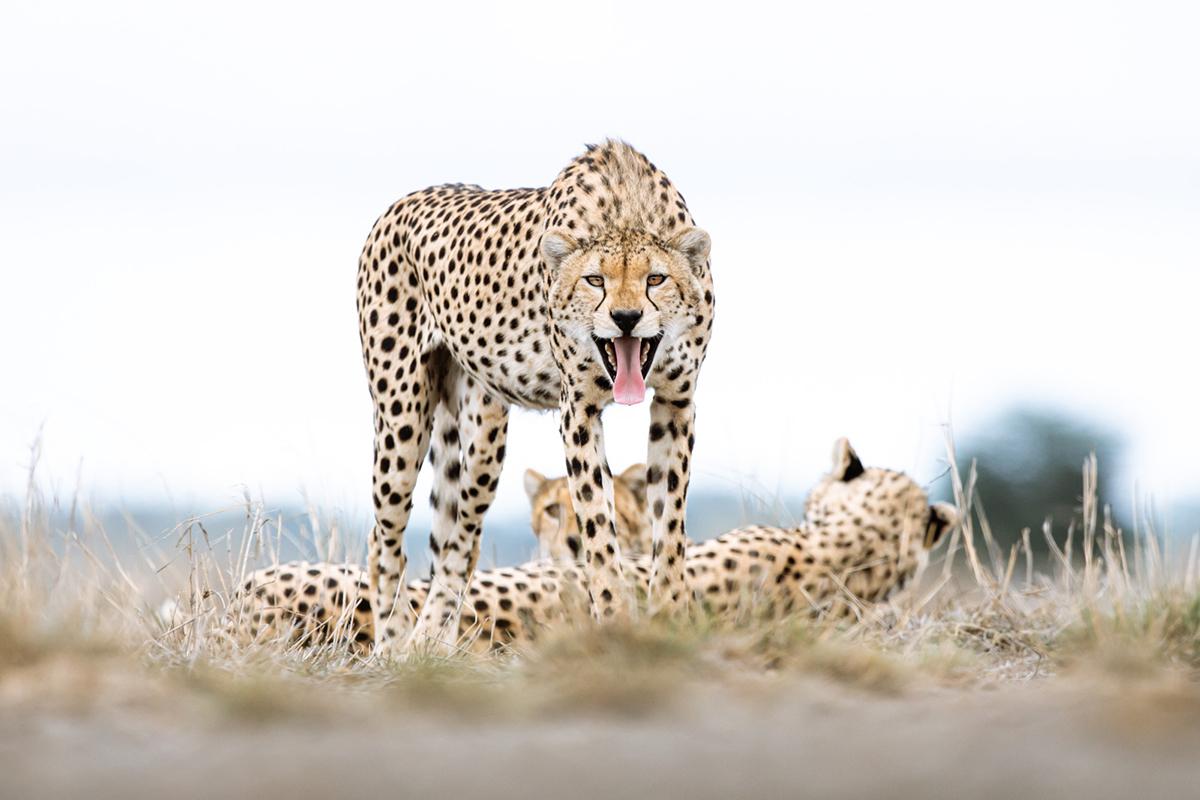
point(808, 739)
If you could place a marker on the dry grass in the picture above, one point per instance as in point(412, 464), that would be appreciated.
point(79, 629)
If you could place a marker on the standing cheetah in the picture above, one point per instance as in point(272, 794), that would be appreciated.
point(866, 533)
point(570, 297)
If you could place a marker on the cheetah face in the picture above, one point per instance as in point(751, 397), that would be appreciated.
point(552, 516)
point(882, 503)
point(624, 299)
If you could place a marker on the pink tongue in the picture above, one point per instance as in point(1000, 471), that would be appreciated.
point(629, 389)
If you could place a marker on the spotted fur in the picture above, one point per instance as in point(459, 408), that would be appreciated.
point(471, 301)
point(866, 532)
point(553, 521)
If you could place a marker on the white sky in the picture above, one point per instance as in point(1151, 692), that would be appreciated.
point(919, 212)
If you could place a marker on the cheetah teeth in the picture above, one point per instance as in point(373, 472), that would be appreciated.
point(607, 350)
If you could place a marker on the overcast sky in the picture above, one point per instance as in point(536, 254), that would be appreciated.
point(921, 213)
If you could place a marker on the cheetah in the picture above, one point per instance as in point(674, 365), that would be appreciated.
point(865, 534)
point(555, 527)
point(567, 297)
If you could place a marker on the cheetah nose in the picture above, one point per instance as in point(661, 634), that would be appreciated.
point(626, 320)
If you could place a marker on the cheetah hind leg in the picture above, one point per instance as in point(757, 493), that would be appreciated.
point(468, 457)
point(402, 434)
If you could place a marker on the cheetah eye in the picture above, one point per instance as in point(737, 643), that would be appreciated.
point(552, 510)
point(595, 280)
point(656, 280)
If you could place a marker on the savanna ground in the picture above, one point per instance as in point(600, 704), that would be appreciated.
point(1003, 674)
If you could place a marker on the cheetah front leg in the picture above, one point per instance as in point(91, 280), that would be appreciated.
point(672, 422)
point(590, 483)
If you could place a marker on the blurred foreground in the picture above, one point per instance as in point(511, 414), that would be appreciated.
point(784, 737)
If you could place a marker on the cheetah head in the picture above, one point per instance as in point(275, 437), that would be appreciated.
point(625, 297)
point(553, 516)
point(883, 504)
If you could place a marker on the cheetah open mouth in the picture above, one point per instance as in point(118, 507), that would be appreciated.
point(628, 359)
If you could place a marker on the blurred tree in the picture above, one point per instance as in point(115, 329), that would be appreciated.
point(1030, 467)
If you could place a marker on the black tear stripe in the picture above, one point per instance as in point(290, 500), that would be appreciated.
point(651, 302)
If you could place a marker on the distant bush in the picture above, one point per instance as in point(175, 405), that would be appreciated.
point(1029, 468)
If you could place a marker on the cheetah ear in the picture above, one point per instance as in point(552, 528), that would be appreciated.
point(846, 466)
point(557, 244)
point(694, 244)
point(534, 481)
point(634, 479)
point(943, 518)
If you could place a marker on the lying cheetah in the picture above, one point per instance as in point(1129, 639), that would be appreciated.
point(865, 534)
point(569, 297)
point(310, 593)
